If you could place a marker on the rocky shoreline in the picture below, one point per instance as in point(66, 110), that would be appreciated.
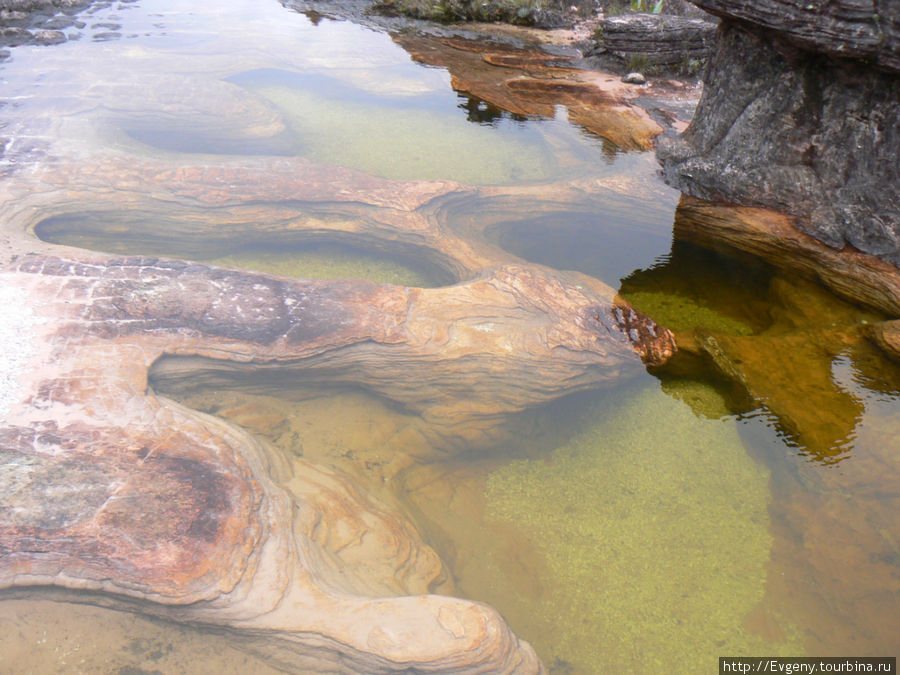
point(47, 22)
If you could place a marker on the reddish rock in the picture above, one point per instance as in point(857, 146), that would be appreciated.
point(120, 491)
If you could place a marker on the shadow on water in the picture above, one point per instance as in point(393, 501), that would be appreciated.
point(480, 111)
point(772, 341)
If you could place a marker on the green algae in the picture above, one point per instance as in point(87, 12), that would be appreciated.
point(681, 313)
point(406, 143)
point(653, 526)
point(324, 261)
point(701, 397)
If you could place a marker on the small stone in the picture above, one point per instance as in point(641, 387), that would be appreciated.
point(14, 36)
point(634, 78)
point(49, 37)
point(8, 16)
point(59, 23)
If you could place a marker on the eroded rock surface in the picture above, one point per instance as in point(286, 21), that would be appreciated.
point(532, 83)
point(122, 497)
point(800, 113)
point(120, 491)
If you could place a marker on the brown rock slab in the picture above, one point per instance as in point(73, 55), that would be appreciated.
point(122, 492)
point(533, 85)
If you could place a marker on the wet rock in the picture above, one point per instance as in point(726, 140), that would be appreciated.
point(541, 13)
point(887, 336)
point(25, 5)
point(656, 39)
point(799, 113)
point(536, 83)
point(155, 501)
point(36, 21)
point(14, 36)
point(776, 239)
point(13, 17)
point(49, 37)
point(122, 492)
point(809, 329)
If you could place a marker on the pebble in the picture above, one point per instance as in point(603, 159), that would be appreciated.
point(49, 37)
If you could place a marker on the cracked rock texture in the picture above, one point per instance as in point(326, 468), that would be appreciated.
point(800, 113)
point(658, 38)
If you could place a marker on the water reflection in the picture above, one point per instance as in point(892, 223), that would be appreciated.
point(483, 112)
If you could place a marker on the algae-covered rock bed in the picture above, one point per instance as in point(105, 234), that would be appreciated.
point(653, 526)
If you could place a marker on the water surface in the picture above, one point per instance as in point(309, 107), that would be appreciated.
point(680, 517)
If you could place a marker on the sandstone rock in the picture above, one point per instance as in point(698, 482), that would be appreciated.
point(25, 5)
point(535, 84)
point(862, 279)
point(657, 39)
point(887, 336)
point(151, 500)
point(775, 238)
point(801, 131)
point(15, 36)
point(11, 17)
point(122, 492)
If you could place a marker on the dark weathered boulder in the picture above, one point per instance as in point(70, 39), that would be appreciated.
point(805, 132)
point(861, 29)
point(657, 38)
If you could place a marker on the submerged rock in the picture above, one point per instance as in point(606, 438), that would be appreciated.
point(129, 494)
point(627, 518)
point(122, 492)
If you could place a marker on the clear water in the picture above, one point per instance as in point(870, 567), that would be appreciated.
point(652, 528)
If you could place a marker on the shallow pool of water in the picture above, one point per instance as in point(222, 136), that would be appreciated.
point(687, 514)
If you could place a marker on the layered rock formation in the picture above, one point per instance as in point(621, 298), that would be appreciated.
point(533, 83)
point(120, 491)
point(657, 39)
point(800, 113)
point(116, 490)
point(121, 497)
